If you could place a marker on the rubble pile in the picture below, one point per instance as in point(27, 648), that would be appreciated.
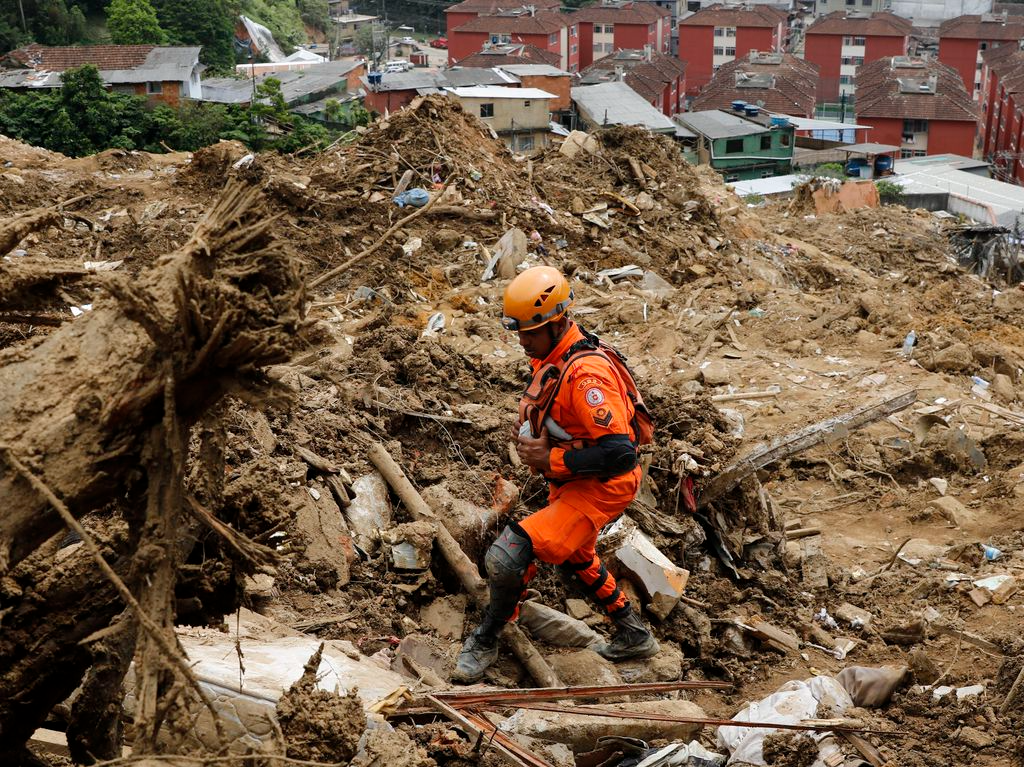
point(832, 489)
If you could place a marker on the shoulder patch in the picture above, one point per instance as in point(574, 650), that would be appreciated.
point(602, 416)
point(588, 382)
point(595, 396)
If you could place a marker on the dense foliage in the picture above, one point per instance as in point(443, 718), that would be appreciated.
point(82, 118)
point(209, 23)
point(134, 22)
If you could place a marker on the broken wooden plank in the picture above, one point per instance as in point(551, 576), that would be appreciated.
point(791, 444)
point(773, 636)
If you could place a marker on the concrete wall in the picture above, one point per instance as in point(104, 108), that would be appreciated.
point(826, 52)
point(936, 11)
point(511, 114)
point(962, 55)
point(560, 86)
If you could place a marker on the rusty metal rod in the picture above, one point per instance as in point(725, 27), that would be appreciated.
point(506, 745)
point(616, 714)
point(464, 699)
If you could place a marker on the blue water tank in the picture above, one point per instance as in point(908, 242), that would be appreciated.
point(738, 105)
point(854, 165)
point(780, 122)
point(374, 78)
point(883, 164)
point(751, 110)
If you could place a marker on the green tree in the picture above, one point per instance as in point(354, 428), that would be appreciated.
point(209, 23)
point(315, 13)
point(890, 193)
point(134, 22)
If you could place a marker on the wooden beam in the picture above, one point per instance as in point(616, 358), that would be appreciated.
point(791, 444)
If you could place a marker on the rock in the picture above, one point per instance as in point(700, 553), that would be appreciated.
point(644, 201)
point(446, 239)
point(420, 655)
point(555, 754)
point(578, 141)
point(715, 373)
point(511, 250)
point(584, 667)
point(1002, 388)
point(369, 510)
point(922, 667)
point(866, 338)
point(975, 738)
point(578, 609)
point(666, 666)
point(853, 616)
point(555, 627)
point(328, 542)
point(951, 509)
point(955, 358)
point(580, 732)
point(661, 580)
point(474, 527)
point(446, 616)
point(941, 485)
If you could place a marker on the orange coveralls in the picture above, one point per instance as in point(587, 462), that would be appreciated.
point(590, 403)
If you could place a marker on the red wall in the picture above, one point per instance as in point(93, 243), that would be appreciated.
point(944, 136)
point(962, 55)
point(826, 51)
point(878, 47)
point(952, 137)
point(634, 37)
point(455, 19)
point(462, 44)
point(696, 47)
point(586, 40)
point(755, 39)
point(387, 100)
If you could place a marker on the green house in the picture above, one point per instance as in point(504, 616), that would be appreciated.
point(741, 146)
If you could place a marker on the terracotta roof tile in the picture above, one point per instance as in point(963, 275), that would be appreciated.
point(60, 58)
point(736, 16)
point(986, 27)
point(648, 78)
point(518, 53)
point(789, 87)
point(634, 13)
point(878, 24)
point(879, 91)
point(538, 24)
point(492, 7)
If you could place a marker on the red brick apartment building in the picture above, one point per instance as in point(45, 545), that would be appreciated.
point(458, 14)
point(777, 82)
point(919, 105)
point(719, 34)
point(659, 78)
point(1002, 112)
point(842, 41)
point(963, 40)
point(604, 29)
point(542, 29)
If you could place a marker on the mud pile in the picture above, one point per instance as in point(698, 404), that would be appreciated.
point(743, 325)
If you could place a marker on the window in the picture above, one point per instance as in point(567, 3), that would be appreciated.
point(847, 40)
point(915, 126)
point(487, 110)
point(845, 80)
point(609, 29)
point(572, 30)
point(719, 31)
point(526, 102)
point(525, 143)
point(650, 28)
point(851, 2)
point(766, 174)
point(766, 141)
point(719, 51)
point(553, 38)
point(598, 47)
point(858, 41)
point(733, 145)
point(731, 177)
point(905, 154)
point(597, 29)
point(693, 6)
point(982, 45)
point(154, 87)
point(783, 139)
point(609, 47)
point(573, 49)
point(919, 153)
point(730, 31)
point(866, 3)
point(730, 51)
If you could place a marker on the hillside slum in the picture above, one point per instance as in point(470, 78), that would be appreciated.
point(256, 441)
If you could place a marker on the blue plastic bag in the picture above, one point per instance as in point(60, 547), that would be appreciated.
point(416, 197)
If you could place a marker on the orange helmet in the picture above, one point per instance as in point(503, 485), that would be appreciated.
point(536, 297)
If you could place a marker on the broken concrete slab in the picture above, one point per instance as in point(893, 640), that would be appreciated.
point(578, 141)
point(510, 251)
point(446, 616)
point(581, 732)
point(369, 510)
point(578, 609)
point(715, 373)
point(853, 616)
point(245, 690)
point(635, 555)
point(666, 666)
point(584, 668)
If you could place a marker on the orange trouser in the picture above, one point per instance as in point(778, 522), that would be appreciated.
point(565, 531)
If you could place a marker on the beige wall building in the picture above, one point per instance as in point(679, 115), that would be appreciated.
point(520, 116)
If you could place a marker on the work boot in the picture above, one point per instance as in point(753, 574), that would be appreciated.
point(631, 640)
point(479, 651)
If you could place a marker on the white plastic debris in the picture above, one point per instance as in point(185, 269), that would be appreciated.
point(78, 311)
point(435, 324)
point(244, 162)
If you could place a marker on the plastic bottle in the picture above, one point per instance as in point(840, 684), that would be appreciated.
point(908, 343)
point(979, 381)
point(991, 552)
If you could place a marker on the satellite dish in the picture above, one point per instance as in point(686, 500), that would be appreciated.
point(760, 102)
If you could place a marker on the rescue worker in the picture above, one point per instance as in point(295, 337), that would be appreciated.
point(578, 427)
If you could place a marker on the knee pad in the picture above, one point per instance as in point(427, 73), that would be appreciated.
point(509, 556)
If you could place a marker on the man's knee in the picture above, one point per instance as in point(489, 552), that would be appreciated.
point(509, 556)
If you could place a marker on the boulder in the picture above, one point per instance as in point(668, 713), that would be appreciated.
point(584, 668)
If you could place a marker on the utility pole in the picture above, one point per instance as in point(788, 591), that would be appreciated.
point(24, 24)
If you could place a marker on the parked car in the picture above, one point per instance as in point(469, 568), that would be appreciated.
point(440, 42)
point(397, 65)
point(408, 41)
